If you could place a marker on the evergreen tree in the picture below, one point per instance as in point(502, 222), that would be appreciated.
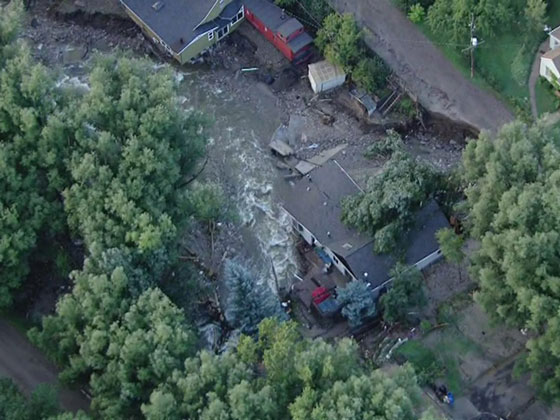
point(249, 301)
point(357, 302)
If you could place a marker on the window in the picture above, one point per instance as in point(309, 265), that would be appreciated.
point(210, 35)
point(222, 32)
point(237, 17)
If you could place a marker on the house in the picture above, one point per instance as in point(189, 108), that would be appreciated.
point(324, 75)
point(185, 28)
point(314, 206)
point(550, 61)
point(286, 33)
point(554, 38)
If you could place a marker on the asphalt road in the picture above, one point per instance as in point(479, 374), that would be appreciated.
point(28, 367)
point(424, 70)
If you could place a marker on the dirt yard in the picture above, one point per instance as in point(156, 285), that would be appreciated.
point(472, 356)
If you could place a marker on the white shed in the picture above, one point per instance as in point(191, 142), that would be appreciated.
point(324, 76)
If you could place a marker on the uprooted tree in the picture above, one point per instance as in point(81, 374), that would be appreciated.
point(386, 208)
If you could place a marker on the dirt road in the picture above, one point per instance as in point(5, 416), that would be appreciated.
point(422, 67)
point(28, 367)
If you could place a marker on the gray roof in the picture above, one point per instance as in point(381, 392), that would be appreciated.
point(418, 244)
point(300, 41)
point(556, 33)
point(267, 12)
point(175, 23)
point(289, 27)
point(315, 200)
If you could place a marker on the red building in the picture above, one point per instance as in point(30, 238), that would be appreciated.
point(286, 33)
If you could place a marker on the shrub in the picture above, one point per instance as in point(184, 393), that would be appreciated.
point(417, 13)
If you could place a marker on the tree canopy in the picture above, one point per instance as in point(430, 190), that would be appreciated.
point(386, 209)
point(31, 169)
point(453, 17)
point(406, 292)
point(14, 406)
point(133, 149)
point(513, 196)
point(250, 300)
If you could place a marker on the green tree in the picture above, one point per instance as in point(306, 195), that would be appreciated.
point(357, 302)
point(42, 403)
point(370, 73)
point(143, 349)
point(406, 292)
point(451, 246)
point(386, 209)
point(453, 17)
point(514, 208)
point(386, 146)
point(535, 13)
point(249, 300)
point(372, 395)
point(79, 328)
point(133, 148)
point(31, 156)
point(340, 40)
point(417, 13)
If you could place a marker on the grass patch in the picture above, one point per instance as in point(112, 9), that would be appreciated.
point(494, 62)
point(439, 359)
point(546, 100)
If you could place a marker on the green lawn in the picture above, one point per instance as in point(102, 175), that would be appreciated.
point(546, 100)
point(439, 359)
point(493, 62)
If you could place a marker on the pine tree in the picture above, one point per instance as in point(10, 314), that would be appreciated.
point(249, 301)
point(357, 302)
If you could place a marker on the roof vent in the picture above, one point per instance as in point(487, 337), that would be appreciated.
point(157, 6)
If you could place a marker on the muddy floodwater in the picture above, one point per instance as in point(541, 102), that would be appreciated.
point(243, 117)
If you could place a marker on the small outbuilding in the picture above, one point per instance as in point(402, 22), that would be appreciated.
point(324, 75)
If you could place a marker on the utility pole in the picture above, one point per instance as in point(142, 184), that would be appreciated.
point(474, 42)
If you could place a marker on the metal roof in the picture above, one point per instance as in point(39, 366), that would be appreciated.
point(324, 71)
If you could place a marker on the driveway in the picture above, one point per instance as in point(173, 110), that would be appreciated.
point(424, 70)
point(28, 367)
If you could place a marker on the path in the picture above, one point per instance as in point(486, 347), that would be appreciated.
point(534, 77)
point(28, 367)
point(422, 67)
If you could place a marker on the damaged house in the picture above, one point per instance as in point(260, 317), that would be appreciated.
point(314, 206)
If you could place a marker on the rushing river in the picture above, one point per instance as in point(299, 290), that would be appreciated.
point(240, 130)
point(239, 135)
